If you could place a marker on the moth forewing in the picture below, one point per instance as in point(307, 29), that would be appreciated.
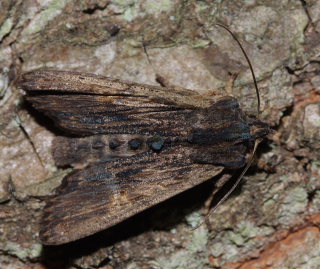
point(68, 82)
point(105, 194)
point(145, 143)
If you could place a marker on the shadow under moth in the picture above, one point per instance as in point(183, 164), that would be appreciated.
point(142, 145)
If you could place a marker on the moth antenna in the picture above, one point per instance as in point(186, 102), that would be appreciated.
point(257, 142)
point(248, 61)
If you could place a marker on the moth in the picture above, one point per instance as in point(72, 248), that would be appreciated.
point(144, 144)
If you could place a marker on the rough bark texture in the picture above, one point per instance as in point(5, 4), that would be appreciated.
point(272, 221)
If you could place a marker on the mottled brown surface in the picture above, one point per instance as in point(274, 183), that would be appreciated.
point(280, 195)
point(196, 141)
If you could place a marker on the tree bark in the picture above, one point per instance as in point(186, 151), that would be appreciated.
point(271, 221)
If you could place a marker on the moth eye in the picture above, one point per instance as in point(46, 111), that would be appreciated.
point(114, 143)
point(155, 143)
point(98, 144)
point(135, 143)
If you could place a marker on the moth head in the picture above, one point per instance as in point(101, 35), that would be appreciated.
point(258, 128)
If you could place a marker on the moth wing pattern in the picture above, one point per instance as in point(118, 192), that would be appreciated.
point(80, 151)
point(201, 134)
point(102, 195)
point(92, 104)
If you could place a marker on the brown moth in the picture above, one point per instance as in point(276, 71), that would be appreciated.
point(144, 144)
point(134, 145)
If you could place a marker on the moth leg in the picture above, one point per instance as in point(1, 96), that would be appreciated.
point(208, 202)
point(165, 83)
point(217, 186)
point(160, 79)
point(230, 83)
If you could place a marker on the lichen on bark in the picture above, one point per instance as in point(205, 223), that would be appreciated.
point(276, 209)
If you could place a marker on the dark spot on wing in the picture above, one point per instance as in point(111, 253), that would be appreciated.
point(95, 173)
point(98, 144)
point(129, 172)
point(114, 143)
point(155, 143)
point(135, 143)
point(236, 131)
point(100, 176)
